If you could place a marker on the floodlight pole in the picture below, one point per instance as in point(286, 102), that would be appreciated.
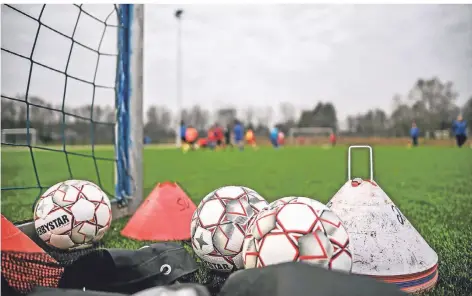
point(178, 141)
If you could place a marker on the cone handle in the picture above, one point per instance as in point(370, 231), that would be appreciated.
point(370, 160)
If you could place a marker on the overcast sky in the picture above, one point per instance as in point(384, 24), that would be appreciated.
point(355, 56)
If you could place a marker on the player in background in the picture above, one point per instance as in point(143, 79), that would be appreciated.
point(219, 136)
point(238, 131)
point(281, 138)
point(414, 134)
point(228, 136)
point(251, 138)
point(332, 139)
point(274, 135)
point(211, 138)
point(459, 127)
point(183, 129)
point(202, 143)
point(191, 136)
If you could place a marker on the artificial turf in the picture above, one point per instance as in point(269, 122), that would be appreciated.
point(431, 185)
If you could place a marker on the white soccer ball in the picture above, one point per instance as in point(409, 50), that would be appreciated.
point(72, 214)
point(297, 229)
point(218, 226)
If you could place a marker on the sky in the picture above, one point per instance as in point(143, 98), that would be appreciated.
point(355, 56)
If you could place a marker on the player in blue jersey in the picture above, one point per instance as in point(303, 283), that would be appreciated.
point(459, 127)
point(238, 131)
point(414, 133)
point(183, 129)
point(274, 137)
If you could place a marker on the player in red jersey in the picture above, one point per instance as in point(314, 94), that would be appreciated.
point(332, 139)
point(219, 136)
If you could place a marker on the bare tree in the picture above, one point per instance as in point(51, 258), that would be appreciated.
point(288, 112)
point(248, 115)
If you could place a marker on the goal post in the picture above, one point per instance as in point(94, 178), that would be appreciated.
point(309, 135)
point(129, 107)
point(127, 138)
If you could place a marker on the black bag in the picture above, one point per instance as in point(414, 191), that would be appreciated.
point(42, 291)
point(302, 279)
point(129, 271)
point(175, 290)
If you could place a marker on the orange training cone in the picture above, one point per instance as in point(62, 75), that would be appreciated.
point(164, 215)
point(15, 240)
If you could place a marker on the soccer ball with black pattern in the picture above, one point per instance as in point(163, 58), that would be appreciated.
point(218, 226)
point(297, 229)
point(72, 214)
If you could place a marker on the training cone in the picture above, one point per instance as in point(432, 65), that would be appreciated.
point(384, 243)
point(13, 239)
point(164, 215)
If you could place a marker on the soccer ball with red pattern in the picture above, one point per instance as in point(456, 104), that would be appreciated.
point(72, 214)
point(218, 226)
point(297, 229)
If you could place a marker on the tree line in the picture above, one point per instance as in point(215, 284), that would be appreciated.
point(431, 103)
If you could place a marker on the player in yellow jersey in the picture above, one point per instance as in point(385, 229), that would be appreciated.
point(251, 138)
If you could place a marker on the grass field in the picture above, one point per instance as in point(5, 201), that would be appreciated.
point(431, 185)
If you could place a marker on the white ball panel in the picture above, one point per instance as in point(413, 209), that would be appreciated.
point(263, 224)
point(277, 248)
point(83, 210)
point(296, 218)
point(343, 262)
point(314, 204)
point(228, 239)
point(61, 241)
point(103, 214)
point(249, 253)
point(92, 192)
point(83, 233)
point(281, 201)
point(257, 201)
point(238, 260)
point(231, 192)
point(315, 248)
point(65, 195)
point(211, 213)
point(44, 206)
point(334, 229)
point(76, 183)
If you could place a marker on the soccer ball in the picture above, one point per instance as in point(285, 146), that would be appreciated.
point(72, 214)
point(219, 223)
point(297, 229)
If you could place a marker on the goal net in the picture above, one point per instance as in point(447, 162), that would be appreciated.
point(71, 102)
point(309, 135)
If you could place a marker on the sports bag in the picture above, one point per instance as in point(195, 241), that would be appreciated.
point(302, 279)
point(129, 271)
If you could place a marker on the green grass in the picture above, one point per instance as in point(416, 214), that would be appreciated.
point(432, 186)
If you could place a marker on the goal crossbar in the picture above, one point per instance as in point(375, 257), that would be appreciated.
point(308, 132)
